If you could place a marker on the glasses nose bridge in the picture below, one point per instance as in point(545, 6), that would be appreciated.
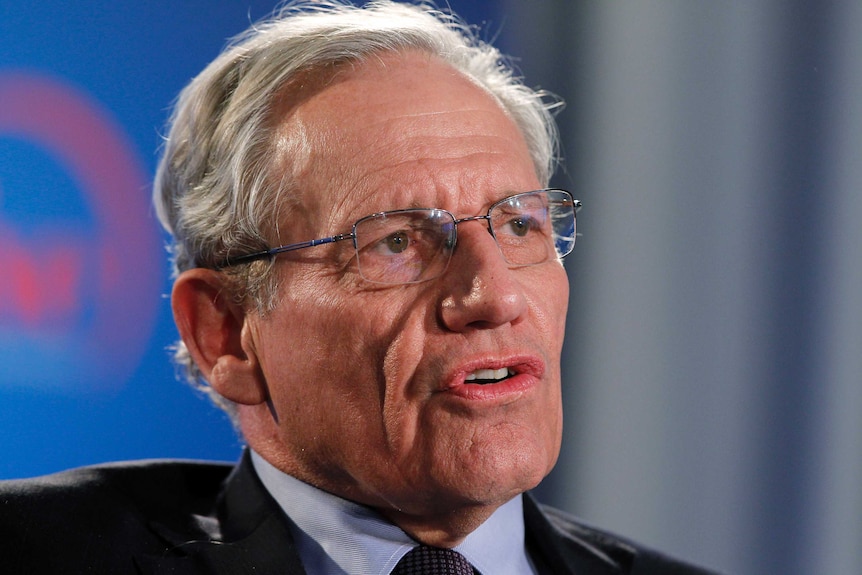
point(486, 217)
point(475, 218)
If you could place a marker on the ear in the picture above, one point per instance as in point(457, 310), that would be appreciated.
point(212, 326)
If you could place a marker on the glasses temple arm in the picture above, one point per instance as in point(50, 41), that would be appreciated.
point(229, 262)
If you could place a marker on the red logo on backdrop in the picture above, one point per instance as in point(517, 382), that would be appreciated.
point(76, 309)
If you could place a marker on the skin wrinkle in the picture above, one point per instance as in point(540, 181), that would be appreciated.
point(466, 116)
point(354, 196)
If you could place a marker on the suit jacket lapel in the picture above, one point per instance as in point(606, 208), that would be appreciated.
point(571, 549)
point(249, 534)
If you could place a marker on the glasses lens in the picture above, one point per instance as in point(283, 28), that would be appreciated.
point(404, 246)
point(534, 227)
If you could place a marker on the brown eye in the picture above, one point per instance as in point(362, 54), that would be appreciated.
point(520, 227)
point(397, 242)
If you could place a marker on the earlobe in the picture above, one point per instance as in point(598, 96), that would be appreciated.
point(211, 325)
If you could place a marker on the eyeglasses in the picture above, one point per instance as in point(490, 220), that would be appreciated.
point(416, 245)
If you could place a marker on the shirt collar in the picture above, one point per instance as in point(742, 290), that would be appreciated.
point(334, 535)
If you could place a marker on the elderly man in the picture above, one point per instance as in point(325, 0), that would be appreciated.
point(369, 281)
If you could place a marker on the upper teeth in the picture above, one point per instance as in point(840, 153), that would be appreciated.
point(492, 374)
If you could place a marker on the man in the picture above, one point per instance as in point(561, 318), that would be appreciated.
point(369, 281)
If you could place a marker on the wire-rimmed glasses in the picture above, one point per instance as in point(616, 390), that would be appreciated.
point(415, 245)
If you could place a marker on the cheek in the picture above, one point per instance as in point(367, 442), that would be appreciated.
point(549, 302)
point(311, 343)
point(402, 355)
point(347, 360)
point(401, 401)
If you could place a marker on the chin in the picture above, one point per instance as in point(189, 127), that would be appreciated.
point(496, 479)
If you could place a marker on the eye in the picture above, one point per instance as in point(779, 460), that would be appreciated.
point(397, 242)
point(521, 226)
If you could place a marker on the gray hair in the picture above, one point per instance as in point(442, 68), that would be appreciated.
point(215, 191)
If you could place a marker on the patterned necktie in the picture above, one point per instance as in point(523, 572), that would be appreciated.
point(425, 560)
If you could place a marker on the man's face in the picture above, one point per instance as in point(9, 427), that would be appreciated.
point(368, 381)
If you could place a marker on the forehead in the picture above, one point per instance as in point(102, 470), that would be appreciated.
point(400, 130)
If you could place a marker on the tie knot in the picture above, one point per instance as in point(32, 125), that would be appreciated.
point(425, 560)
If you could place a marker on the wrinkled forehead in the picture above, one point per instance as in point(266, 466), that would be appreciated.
point(345, 136)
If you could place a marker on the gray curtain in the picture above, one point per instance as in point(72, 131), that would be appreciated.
point(713, 367)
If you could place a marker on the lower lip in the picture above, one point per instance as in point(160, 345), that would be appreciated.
point(506, 389)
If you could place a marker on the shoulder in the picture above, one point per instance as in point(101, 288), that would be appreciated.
point(152, 486)
point(629, 556)
point(101, 509)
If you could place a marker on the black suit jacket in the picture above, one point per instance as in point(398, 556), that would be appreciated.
point(193, 518)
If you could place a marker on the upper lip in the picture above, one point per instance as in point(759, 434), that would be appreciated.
point(517, 364)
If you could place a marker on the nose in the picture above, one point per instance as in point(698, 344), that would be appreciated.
point(481, 290)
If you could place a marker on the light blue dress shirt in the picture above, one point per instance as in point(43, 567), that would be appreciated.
point(335, 536)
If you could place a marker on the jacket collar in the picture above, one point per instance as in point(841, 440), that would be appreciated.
point(561, 546)
point(247, 534)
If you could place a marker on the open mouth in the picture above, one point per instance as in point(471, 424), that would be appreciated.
point(486, 376)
